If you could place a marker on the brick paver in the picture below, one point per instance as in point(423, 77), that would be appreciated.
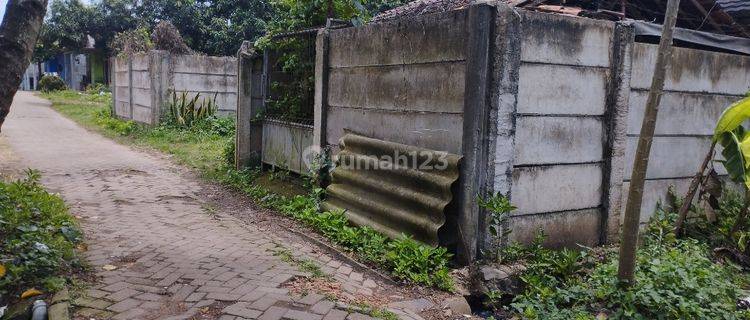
point(145, 217)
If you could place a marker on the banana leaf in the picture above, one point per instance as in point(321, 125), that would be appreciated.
point(736, 154)
point(733, 117)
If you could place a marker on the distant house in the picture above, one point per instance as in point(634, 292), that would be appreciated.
point(30, 79)
point(71, 67)
point(77, 68)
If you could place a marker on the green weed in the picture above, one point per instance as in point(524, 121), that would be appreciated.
point(38, 237)
point(675, 279)
point(303, 265)
point(406, 258)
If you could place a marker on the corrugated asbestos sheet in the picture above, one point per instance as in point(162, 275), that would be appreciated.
point(393, 188)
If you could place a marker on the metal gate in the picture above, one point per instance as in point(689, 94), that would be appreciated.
point(285, 143)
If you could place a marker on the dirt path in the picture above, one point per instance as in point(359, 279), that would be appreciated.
point(175, 258)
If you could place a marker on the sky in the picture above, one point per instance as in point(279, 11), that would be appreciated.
point(3, 3)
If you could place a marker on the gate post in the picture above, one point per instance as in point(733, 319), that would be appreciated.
point(248, 137)
point(321, 89)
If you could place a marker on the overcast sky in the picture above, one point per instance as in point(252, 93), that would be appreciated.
point(3, 3)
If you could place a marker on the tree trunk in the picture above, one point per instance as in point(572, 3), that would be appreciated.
point(629, 244)
point(18, 33)
point(682, 214)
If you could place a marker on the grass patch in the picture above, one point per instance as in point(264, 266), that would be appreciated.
point(206, 147)
point(38, 238)
point(200, 147)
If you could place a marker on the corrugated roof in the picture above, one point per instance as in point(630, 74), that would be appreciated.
point(394, 188)
point(734, 5)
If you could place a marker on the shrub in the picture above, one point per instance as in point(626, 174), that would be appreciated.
point(104, 118)
point(38, 236)
point(221, 126)
point(406, 258)
point(97, 88)
point(131, 41)
point(228, 152)
point(50, 83)
point(167, 37)
point(675, 279)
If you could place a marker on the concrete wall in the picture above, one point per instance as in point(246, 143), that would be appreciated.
point(400, 81)
point(208, 76)
point(546, 106)
point(142, 83)
point(558, 160)
point(568, 132)
point(699, 86)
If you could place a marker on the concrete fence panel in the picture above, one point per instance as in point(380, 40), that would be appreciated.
point(400, 81)
point(143, 83)
point(543, 108)
point(559, 171)
point(699, 86)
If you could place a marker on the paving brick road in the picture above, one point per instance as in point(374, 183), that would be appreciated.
point(157, 251)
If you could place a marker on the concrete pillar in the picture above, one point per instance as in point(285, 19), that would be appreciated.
point(113, 85)
point(247, 136)
point(475, 145)
point(159, 73)
point(615, 120)
point(321, 89)
point(130, 87)
point(506, 61)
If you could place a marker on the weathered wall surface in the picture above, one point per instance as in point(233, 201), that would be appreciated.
point(143, 82)
point(558, 158)
point(208, 76)
point(564, 102)
point(576, 116)
point(699, 86)
point(401, 81)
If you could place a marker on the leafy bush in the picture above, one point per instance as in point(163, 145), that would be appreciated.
point(228, 152)
point(38, 237)
point(406, 258)
point(50, 83)
point(97, 88)
point(131, 41)
point(675, 279)
point(167, 37)
point(499, 208)
point(221, 126)
point(104, 118)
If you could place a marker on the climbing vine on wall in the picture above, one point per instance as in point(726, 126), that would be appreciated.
point(292, 73)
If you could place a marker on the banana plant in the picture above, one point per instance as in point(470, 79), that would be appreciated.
point(735, 140)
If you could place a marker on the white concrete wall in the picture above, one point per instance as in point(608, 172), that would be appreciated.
point(557, 173)
point(145, 81)
point(579, 105)
point(209, 76)
point(400, 81)
point(699, 86)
